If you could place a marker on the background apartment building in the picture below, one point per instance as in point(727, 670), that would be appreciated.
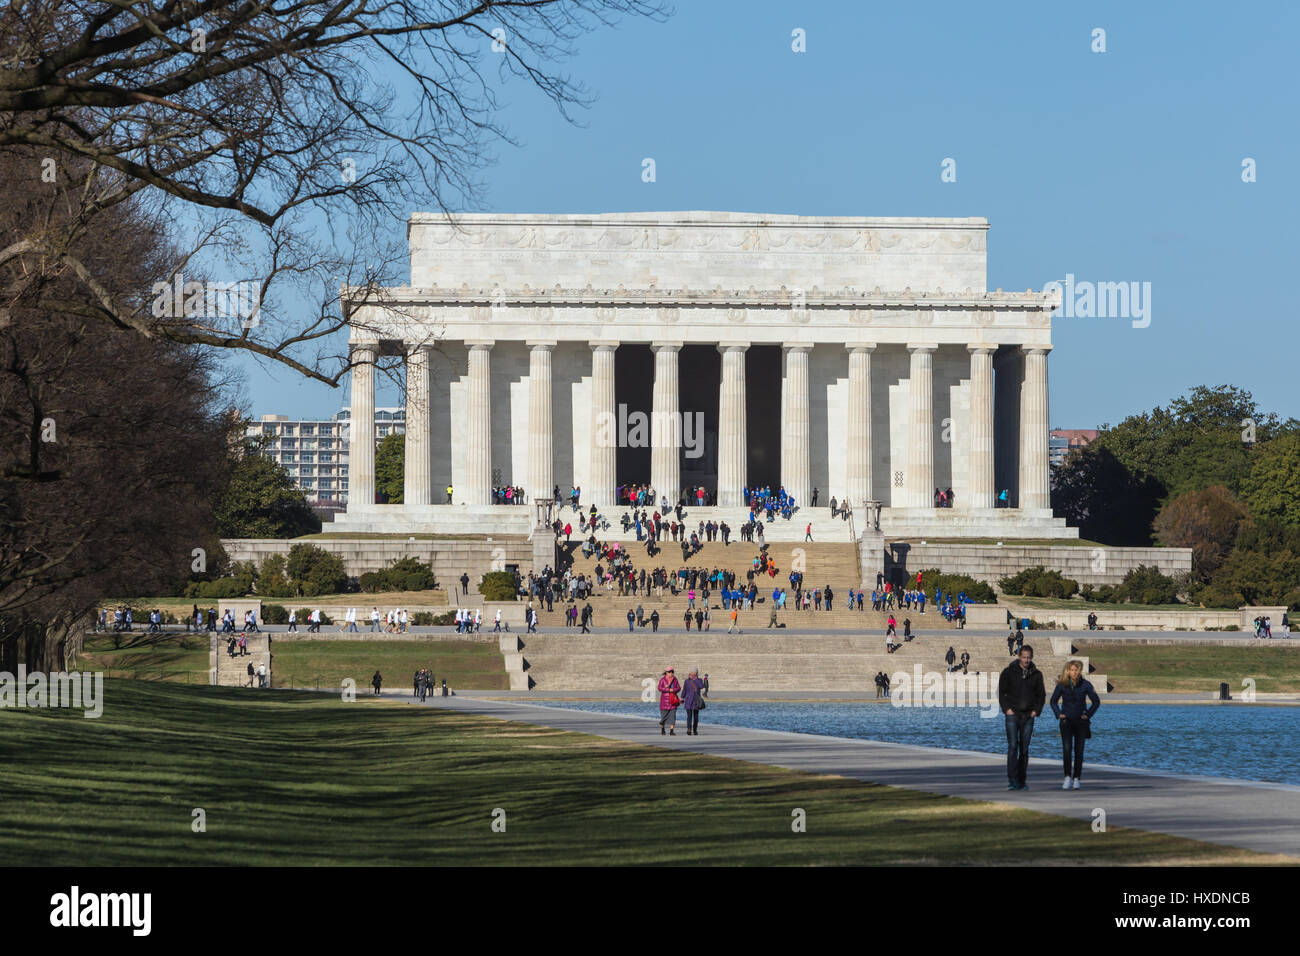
point(315, 453)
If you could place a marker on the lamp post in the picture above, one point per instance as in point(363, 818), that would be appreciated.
point(544, 506)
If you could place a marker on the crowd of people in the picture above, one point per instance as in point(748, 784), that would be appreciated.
point(770, 503)
point(508, 495)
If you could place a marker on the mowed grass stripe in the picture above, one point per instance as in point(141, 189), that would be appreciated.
point(1167, 668)
point(289, 778)
point(467, 665)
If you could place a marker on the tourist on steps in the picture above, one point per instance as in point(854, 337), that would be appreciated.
point(668, 702)
point(1072, 692)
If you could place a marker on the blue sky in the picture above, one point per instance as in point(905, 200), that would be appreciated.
point(1115, 166)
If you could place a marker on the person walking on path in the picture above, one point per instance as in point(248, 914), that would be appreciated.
point(464, 583)
point(376, 681)
point(668, 702)
point(693, 701)
point(735, 619)
point(1021, 696)
point(631, 619)
point(1074, 691)
point(807, 532)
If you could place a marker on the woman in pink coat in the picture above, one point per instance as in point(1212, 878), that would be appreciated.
point(669, 688)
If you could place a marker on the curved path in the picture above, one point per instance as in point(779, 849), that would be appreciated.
point(1256, 816)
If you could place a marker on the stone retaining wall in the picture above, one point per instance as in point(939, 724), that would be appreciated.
point(990, 563)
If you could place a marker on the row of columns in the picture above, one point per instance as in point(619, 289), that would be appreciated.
point(665, 461)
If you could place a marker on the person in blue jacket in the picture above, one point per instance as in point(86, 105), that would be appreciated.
point(1074, 701)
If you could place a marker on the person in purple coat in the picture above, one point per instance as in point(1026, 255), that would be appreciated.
point(668, 702)
point(693, 701)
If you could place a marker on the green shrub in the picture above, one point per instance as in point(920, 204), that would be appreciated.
point(304, 617)
point(1039, 582)
point(404, 574)
point(313, 570)
point(1142, 585)
point(498, 586)
point(273, 578)
point(220, 588)
point(275, 614)
point(976, 591)
point(429, 619)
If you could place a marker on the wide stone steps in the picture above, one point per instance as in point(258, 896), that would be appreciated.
point(233, 671)
point(779, 530)
point(744, 662)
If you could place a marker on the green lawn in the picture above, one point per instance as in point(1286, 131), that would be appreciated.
point(294, 779)
point(144, 656)
point(1163, 668)
point(1079, 604)
point(466, 664)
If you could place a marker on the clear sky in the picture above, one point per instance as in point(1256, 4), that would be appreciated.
point(1117, 166)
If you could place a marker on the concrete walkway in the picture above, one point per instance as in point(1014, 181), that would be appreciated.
point(1255, 816)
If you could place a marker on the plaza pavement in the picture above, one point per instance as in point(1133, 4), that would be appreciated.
point(1264, 817)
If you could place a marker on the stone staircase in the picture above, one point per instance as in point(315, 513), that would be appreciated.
point(833, 564)
point(825, 528)
point(762, 661)
point(227, 671)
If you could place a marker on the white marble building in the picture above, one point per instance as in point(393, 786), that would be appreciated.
point(863, 357)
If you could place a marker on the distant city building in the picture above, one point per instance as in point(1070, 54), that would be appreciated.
point(1062, 441)
point(315, 453)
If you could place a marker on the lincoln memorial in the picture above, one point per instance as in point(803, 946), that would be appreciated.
point(862, 357)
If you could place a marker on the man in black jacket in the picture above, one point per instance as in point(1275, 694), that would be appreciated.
point(1021, 696)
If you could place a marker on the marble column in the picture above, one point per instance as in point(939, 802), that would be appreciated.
point(796, 450)
point(920, 434)
point(981, 493)
point(1035, 465)
point(601, 474)
point(541, 439)
point(666, 425)
point(733, 461)
point(858, 450)
point(478, 427)
point(361, 429)
point(418, 473)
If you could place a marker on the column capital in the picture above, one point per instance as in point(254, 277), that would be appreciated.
point(358, 347)
point(922, 347)
point(796, 346)
point(603, 346)
point(1031, 349)
point(982, 347)
point(666, 346)
point(733, 346)
point(541, 343)
point(867, 347)
point(481, 345)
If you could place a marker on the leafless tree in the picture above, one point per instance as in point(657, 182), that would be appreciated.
point(271, 138)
